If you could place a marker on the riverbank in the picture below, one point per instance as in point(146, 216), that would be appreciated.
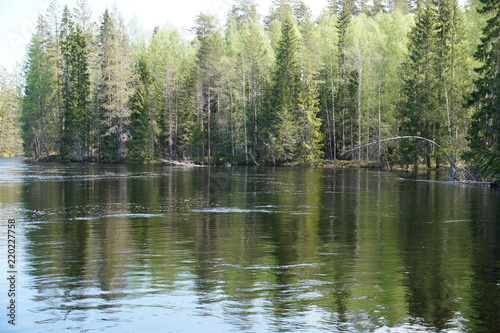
point(460, 175)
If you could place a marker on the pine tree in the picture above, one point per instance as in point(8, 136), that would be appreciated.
point(484, 133)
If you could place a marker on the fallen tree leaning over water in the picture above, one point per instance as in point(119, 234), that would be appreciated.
point(489, 163)
point(455, 173)
point(184, 163)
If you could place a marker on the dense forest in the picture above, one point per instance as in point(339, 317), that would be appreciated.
point(286, 88)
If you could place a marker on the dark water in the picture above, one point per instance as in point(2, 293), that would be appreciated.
point(126, 248)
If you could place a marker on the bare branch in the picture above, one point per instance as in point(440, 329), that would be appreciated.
point(411, 137)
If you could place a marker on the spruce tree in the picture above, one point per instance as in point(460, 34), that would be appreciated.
point(40, 114)
point(344, 78)
point(484, 133)
point(419, 108)
point(286, 86)
point(75, 141)
point(114, 88)
point(453, 71)
point(142, 125)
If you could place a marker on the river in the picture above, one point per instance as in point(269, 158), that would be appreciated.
point(127, 248)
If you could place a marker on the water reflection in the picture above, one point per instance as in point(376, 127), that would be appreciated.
point(255, 249)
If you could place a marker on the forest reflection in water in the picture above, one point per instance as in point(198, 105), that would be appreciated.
point(131, 247)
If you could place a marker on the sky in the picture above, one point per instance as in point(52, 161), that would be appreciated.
point(18, 17)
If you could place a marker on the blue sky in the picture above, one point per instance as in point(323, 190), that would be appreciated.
point(18, 17)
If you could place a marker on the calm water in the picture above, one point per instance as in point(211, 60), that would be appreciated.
point(126, 248)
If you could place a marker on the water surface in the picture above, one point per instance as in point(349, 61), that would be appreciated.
point(126, 248)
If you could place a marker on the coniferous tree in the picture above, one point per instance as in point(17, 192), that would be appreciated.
point(344, 106)
point(334, 6)
point(484, 133)
point(281, 127)
point(419, 109)
point(436, 78)
point(40, 114)
point(142, 124)
point(253, 91)
point(75, 140)
point(454, 72)
point(114, 88)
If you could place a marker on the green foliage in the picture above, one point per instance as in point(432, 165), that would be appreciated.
point(284, 94)
point(310, 138)
point(484, 133)
point(142, 125)
point(114, 88)
point(489, 164)
point(419, 108)
point(290, 90)
point(10, 109)
point(75, 139)
point(40, 115)
point(436, 76)
point(345, 89)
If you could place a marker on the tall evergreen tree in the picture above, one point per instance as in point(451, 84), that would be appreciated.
point(453, 70)
point(436, 78)
point(142, 124)
point(286, 86)
point(344, 106)
point(40, 112)
point(419, 109)
point(115, 88)
point(484, 133)
point(251, 92)
point(75, 140)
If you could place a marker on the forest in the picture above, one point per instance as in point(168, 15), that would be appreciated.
point(282, 89)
